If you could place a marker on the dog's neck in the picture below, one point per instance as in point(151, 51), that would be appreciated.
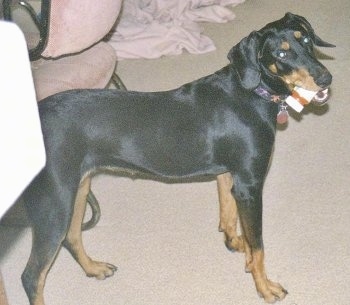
point(282, 115)
point(268, 95)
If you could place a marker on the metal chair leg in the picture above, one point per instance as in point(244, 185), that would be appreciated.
point(118, 82)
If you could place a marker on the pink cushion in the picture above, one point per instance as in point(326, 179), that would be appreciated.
point(76, 25)
point(92, 68)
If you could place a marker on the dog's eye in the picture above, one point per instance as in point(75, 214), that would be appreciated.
point(282, 54)
point(306, 40)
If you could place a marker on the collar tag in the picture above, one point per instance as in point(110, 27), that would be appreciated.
point(282, 115)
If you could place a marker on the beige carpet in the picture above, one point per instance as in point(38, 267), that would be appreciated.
point(164, 238)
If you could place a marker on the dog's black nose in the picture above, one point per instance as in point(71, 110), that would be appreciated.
point(324, 80)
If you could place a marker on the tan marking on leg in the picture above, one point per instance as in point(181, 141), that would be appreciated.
point(39, 293)
point(248, 255)
point(228, 212)
point(74, 241)
point(270, 291)
point(39, 297)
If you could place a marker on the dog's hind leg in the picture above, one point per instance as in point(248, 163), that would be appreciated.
point(50, 219)
point(74, 243)
point(44, 250)
point(228, 213)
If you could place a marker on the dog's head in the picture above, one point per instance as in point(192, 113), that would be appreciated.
point(281, 56)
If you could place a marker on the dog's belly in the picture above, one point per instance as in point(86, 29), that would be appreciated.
point(158, 167)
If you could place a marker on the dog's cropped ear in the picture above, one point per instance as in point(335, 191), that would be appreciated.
point(307, 26)
point(244, 57)
point(321, 43)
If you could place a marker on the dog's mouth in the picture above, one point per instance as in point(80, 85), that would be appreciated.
point(300, 97)
point(321, 97)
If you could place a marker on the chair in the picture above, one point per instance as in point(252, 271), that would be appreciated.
point(68, 51)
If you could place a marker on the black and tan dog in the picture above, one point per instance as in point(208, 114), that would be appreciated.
point(222, 125)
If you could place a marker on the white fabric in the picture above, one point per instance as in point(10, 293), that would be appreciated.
point(152, 28)
point(22, 146)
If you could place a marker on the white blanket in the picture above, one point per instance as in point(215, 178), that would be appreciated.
point(153, 28)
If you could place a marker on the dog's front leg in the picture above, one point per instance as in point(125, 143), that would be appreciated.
point(249, 204)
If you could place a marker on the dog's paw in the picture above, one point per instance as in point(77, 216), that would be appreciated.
point(270, 291)
point(100, 270)
point(234, 244)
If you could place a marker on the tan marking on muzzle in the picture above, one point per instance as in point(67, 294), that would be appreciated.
point(301, 78)
point(273, 68)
